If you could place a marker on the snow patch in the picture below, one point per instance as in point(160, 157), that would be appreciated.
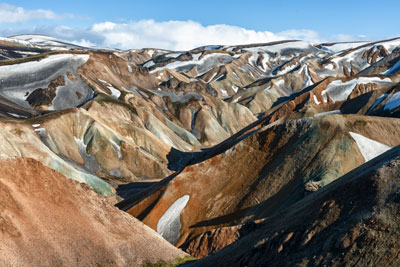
point(196, 57)
point(212, 77)
point(16, 115)
point(341, 46)
point(237, 99)
point(203, 65)
point(340, 91)
point(117, 148)
point(316, 100)
point(90, 161)
point(235, 88)
point(236, 76)
point(149, 64)
point(173, 55)
point(169, 225)
point(150, 52)
point(115, 93)
point(224, 93)
point(369, 148)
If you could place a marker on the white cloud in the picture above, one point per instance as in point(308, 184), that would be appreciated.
point(177, 35)
point(13, 14)
point(184, 35)
point(174, 35)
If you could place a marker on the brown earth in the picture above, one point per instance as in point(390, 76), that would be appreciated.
point(49, 220)
point(351, 222)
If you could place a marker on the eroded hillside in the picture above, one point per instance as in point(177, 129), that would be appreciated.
point(212, 146)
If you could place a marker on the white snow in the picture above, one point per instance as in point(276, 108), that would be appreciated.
point(117, 148)
point(169, 225)
point(316, 100)
point(342, 46)
point(196, 57)
point(340, 91)
point(369, 148)
point(280, 83)
point(173, 55)
point(287, 69)
point(264, 61)
point(129, 68)
point(212, 77)
point(224, 93)
point(329, 66)
point(16, 115)
point(235, 88)
point(308, 82)
point(237, 99)
point(17, 41)
point(90, 161)
point(115, 93)
point(220, 77)
point(33, 66)
point(35, 125)
point(253, 59)
point(207, 62)
point(149, 64)
point(323, 95)
point(236, 76)
point(47, 41)
point(267, 89)
point(160, 76)
point(333, 112)
point(390, 45)
point(40, 131)
point(150, 52)
point(393, 102)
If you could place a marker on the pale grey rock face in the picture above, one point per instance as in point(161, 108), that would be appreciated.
point(169, 224)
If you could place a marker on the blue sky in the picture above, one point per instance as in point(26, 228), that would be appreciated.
point(311, 20)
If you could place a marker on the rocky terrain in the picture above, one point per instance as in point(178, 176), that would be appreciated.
point(49, 220)
point(279, 153)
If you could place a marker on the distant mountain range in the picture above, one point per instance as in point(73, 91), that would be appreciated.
point(273, 154)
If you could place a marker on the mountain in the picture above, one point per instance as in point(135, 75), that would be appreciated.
point(351, 222)
point(214, 148)
point(49, 220)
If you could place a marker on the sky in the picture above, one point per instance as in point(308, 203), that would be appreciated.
point(184, 24)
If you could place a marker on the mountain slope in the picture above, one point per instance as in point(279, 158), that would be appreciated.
point(352, 221)
point(49, 220)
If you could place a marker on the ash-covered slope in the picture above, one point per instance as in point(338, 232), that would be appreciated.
point(49, 220)
point(351, 222)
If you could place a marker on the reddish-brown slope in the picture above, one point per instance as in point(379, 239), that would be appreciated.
point(49, 220)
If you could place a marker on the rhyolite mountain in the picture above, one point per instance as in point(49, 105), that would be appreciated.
point(280, 153)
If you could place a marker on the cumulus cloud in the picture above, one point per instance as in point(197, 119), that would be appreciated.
point(13, 14)
point(184, 35)
point(176, 35)
point(181, 35)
